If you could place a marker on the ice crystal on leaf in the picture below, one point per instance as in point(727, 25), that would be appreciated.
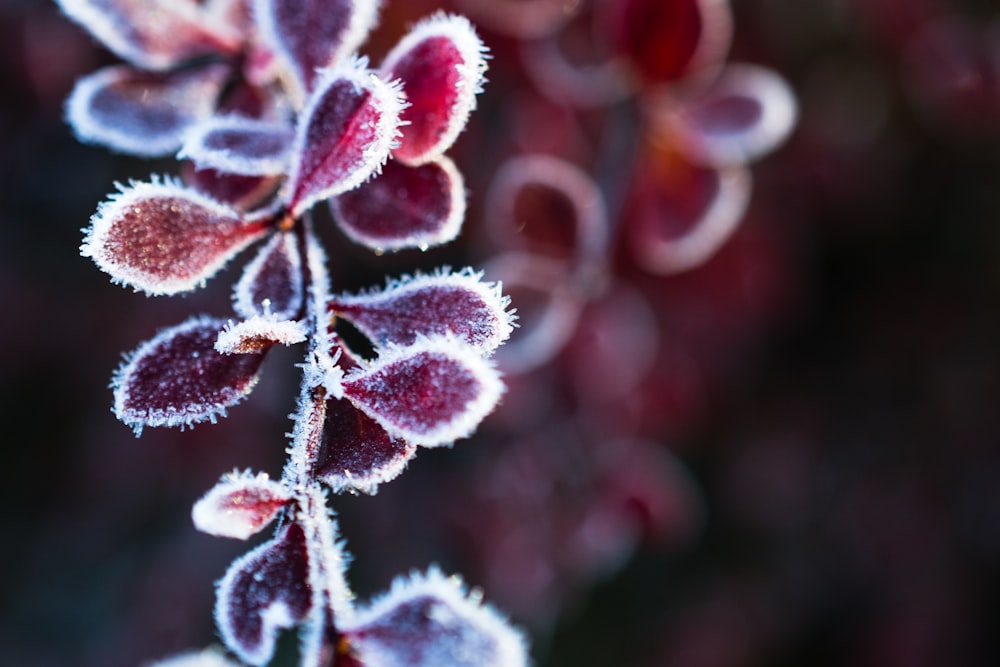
point(274, 113)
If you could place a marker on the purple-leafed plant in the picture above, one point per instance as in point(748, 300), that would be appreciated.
point(276, 114)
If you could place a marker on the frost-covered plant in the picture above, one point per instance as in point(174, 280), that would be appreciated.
point(272, 93)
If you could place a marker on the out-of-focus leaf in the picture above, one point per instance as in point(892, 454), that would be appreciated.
point(237, 145)
point(239, 506)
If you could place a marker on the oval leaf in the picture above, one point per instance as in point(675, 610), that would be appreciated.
point(311, 34)
point(179, 379)
point(441, 63)
point(744, 115)
point(404, 207)
point(457, 304)
point(430, 393)
point(356, 453)
point(239, 506)
point(154, 34)
point(259, 334)
point(262, 592)
point(237, 145)
point(343, 137)
point(271, 285)
point(162, 238)
point(429, 620)
point(142, 113)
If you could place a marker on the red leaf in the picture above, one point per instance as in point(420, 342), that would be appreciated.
point(441, 63)
point(238, 145)
point(259, 334)
point(142, 113)
point(404, 207)
point(744, 115)
point(155, 34)
point(666, 41)
point(355, 452)
point(312, 34)
point(271, 284)
point(178, 378)
point(239, 506)
point(265, 590)
point(162, 238)
point(344, 136)
point(429, 620)
point(430, 393)
point(458, 304)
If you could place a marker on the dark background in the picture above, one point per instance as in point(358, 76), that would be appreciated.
point(846, 451)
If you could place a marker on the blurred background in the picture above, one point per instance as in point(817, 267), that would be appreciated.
point(787, 455)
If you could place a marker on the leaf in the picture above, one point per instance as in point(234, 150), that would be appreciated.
point(429, 620)
point(441, 63)
point(240, 505)
point(178, 379)
point(271, 284)
point(679, 217)
point(262, 592)
point(309, 35)
point(742, 116)
point(238, 145)
point(343, 137)
point(244, 193)
point(162, 238)
point(143, 113)
point(666, 41)
point(404, 207)
point(430, 393)
point(154, 34)
point(458, 304)
point(259, 334)
point(357, 454)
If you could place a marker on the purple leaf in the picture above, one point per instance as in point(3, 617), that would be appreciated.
point(142, 113)
point(404, 207)
point(259, 334)
point(311, 34)
point(238, 145)
point(154, 34)
point(679, 219)
point(271, 284)
point(356, 453)
point(441, 63)
point(240, 505)
point(162, 238)
point(178, 378)
point(344, 136)
point(429, 620)
point(264, 591)
point(458, 304)
point(430, 393)
point(242, 192)
point(744, 115)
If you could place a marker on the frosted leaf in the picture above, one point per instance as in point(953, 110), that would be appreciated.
point(678, 221)
point(311, 34)
point(206, 658)
point(239, 506)
point(258, 334)
point(441, 63)
point(177, 378)
point(238, 145)
point(356, 453)
point(262, 592)
point(404, 207)
point(343, 136)
point(162, 238)
point(429, 620)
point(458, 304)
point(430, 393)
point(242, 192)
point(271, 284)
point(666, 41)
point(142, 113)
point(744, 115)
point(154, 34)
